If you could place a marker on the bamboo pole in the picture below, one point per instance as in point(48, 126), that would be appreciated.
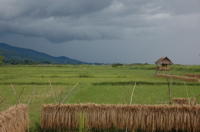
point(132, 93)
point(60, 97)
point(15, 93)
point(69, 93)
point(2, 100)
point(53, 91)
point(31, 95)
point(186, 90)
point(170, 89)
point(20, 95)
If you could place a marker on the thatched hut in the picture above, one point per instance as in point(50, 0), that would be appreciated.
point(164, 61)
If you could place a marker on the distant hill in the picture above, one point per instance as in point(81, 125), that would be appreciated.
point(21, 54)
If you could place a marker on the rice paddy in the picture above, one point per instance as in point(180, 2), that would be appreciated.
point(82, 84)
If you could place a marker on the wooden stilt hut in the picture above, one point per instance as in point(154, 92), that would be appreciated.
point(164, 62)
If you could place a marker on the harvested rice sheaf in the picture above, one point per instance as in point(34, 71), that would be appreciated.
point(190, 79)
point(14, 119)
point(184, 101)
point(131, 117)
point(181, 101)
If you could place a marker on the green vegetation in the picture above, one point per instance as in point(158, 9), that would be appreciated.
point(21, 62)
point(1, 58)
point(108, 84)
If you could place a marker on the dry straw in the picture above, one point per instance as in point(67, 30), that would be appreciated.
point(131, 117)
point(184, 101)
point(14, 119)
point(193, 75)
point(190, 79)
point(181, 101)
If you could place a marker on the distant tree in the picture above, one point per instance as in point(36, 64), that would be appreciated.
point(19, 62)
point(1, 58)
point(46, 62)
point(117, 64)
point(28, 62)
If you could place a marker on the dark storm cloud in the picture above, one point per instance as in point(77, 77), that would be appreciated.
point(57, 21)
point(67, 20)
point(12, 9)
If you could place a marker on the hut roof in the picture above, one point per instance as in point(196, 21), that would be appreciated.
point(164, 60)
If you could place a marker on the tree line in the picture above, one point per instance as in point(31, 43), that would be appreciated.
point(4, 61)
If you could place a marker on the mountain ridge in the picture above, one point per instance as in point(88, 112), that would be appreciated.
point(16, 53)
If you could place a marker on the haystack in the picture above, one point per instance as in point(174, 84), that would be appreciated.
point(15, 119)
point(184, 101)
point(181, 101)
point(122, 117)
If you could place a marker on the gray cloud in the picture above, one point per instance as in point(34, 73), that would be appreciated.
point(67, 20)
point(57, 21)
point(43, 9)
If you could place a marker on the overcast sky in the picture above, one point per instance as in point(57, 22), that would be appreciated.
point(105, 31)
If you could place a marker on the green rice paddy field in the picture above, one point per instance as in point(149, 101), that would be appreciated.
point(102, 84)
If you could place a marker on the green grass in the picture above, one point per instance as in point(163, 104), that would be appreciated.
point(96, 84)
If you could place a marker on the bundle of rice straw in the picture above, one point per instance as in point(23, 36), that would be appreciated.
point(131, 117)
point(193, 75)
point(190, 79)
point(181, 101)
point(14, 119)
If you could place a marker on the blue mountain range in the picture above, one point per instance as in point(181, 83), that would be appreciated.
point(15, 53)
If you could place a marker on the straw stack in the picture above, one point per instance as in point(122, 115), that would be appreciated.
point(193, 75)
point(15, 119)
point(190, 79)
point(184, 101)
point(131, 117)
point(181, 101)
